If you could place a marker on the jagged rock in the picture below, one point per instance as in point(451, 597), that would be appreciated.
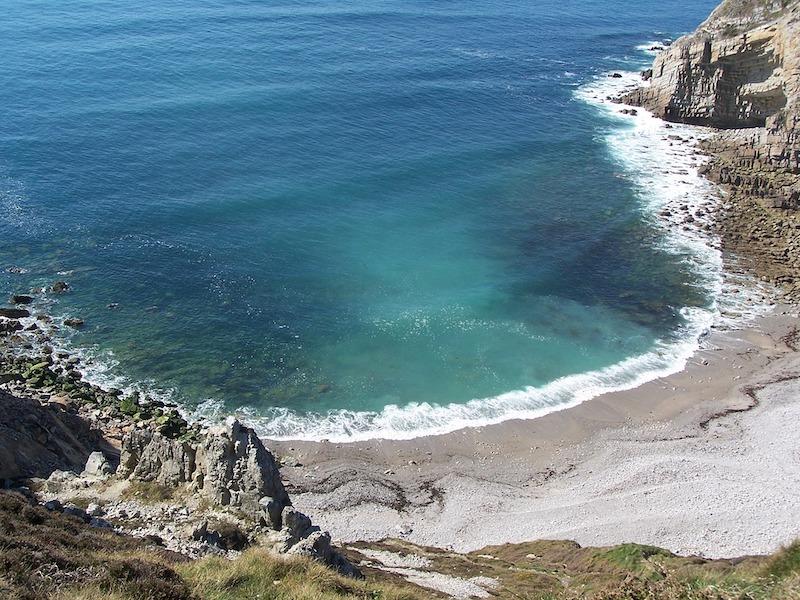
point(229, 465)
point(21, 299)
point(97, 465)
point(74, 322)
point(150, 456)
point(237, 469)
point(295, 523)
point(59, 287)
point(14, 313)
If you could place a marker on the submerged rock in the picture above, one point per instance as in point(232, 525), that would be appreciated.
point(14, 313)
point(59, 287)
point(21, 299)
point(9, 326)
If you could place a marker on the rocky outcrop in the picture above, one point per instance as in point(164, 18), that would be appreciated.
point(228, 465)
point(739, 69)
point(740, 72)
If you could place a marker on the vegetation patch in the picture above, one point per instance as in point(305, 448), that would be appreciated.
point(147, 491)
point(631, 556)
point(49, 555)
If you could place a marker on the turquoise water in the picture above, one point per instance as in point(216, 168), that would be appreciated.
point(315, 210)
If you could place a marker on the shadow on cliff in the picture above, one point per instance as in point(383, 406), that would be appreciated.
point(36, 440)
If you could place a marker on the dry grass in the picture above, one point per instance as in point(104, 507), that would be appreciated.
point(258, 574)
point(147, 492)
point(46, 555)
point(42, 553)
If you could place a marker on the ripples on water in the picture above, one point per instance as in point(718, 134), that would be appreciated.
point(311, 207)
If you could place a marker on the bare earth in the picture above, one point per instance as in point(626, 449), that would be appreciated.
point(706, 462)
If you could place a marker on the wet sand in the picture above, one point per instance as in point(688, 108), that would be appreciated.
point(705, 461)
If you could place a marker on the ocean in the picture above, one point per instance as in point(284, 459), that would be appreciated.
point(347, 219)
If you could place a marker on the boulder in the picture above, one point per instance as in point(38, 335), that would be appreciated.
point(223, 534)
point(73, 322)
point(76, 511)
point(53, 505)
point(21, 299)
point(59, 287)
point(317, 546)
point(295, 523)
point(60, 481)
point(100, 523)
point(95, 510)
point(97, 465)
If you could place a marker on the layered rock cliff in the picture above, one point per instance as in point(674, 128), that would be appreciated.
point(740, 72)
point(739, 69)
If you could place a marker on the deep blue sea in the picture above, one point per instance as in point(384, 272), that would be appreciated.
point(341, 218)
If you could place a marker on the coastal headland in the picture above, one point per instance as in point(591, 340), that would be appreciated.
point(700, 462)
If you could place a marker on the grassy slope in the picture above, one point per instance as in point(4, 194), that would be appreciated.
point(45, 555)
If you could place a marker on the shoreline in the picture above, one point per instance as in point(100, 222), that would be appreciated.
point(567, 475)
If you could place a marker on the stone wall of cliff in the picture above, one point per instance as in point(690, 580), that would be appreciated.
point(738, 69)
point(739, 72)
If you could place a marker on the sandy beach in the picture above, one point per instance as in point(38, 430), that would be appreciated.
point(702, 462)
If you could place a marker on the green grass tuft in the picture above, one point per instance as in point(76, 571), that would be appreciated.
point(631, 556)
point(785, 562)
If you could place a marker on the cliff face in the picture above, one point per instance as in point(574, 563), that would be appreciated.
point(740, 72)
point(739, 69)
